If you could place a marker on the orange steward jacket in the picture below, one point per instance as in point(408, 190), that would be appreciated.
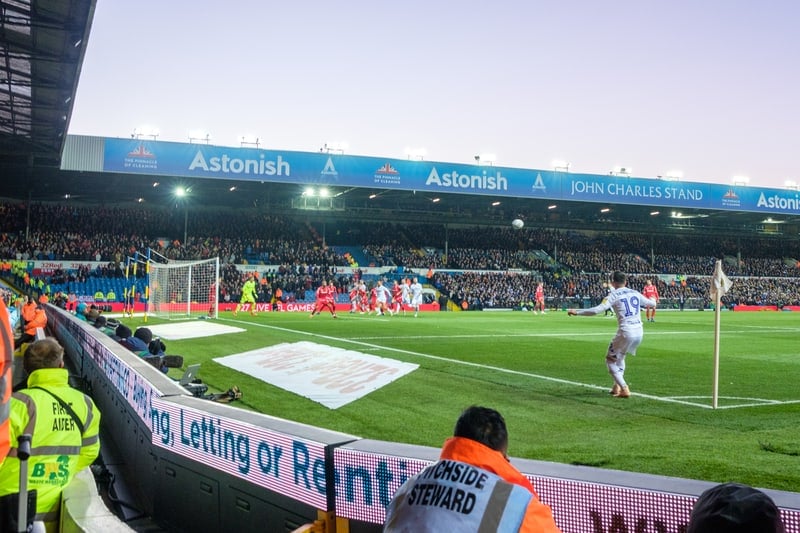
point(538, 516)
point(39, 320)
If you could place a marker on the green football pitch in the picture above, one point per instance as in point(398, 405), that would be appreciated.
point(546, 374)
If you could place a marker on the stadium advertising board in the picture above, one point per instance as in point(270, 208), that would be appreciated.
point(276, 461)
point(370, 480)
point(137, 156)
point(136, 390)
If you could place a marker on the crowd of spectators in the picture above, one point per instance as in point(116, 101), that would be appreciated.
point(572, 264)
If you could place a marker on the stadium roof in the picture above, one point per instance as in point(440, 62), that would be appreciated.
point(42, 46)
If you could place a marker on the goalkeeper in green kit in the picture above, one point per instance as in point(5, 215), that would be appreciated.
point(248, 295)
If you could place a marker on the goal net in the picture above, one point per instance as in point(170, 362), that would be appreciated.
point(184, 288)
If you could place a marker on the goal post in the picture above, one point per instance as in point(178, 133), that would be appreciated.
point(180, 289)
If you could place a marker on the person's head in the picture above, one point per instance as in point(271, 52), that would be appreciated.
point(618, 279)
point(648, 282)
point(144, 335)
point(156, 347)
point(483, 425)
point(100, 322)
point(44, 353)
point(734, 508)
point(122, 331)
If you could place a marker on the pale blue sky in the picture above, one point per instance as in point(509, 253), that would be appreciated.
point(707, 87)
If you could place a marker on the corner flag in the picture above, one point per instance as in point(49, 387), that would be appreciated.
point(720, 284)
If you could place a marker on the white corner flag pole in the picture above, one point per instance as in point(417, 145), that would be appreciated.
point(715, 394)
point(720, 284)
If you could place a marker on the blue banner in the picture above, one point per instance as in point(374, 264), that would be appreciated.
point(136, 156)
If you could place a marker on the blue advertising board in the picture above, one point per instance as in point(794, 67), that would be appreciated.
point(137, 156)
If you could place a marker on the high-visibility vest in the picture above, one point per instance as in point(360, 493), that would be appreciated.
point(6, 363)
point(455, 496)
point(58, 447)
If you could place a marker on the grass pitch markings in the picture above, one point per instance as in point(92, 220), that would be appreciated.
point(376, 347)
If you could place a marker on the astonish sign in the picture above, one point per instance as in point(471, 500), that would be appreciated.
point(136, 156)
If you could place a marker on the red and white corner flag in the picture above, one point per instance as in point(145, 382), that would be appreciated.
point(720, 284)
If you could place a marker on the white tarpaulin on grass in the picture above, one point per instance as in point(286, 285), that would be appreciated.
point(331, 376)
point(190, 330)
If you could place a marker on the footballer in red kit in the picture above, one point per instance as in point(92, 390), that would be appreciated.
point(326, 299)
point(650, 291)
point(538, 304)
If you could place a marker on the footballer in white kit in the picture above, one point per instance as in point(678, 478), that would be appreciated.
point(416, 295)
point(627, 305)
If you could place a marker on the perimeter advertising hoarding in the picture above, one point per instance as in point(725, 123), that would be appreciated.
point(136, 156)
point(578, 506)
point(124, 378)
point(277, 461)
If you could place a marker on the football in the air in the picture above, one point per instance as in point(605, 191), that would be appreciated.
point(517, 223)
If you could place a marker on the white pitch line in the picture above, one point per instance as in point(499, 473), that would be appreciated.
point(370, 346)
point(524, 335)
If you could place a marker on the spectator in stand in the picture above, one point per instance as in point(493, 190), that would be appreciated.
point(735, 508)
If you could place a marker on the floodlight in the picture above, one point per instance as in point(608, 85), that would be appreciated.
point(199, 136)
point(336, 147)
point(486, 159)
point(415, 153)
point(621, 171)
point(145, 131)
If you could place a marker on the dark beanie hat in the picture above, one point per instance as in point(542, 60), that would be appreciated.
point(100, 322)
point(144, 334)
point(735, 508)
point(123, 331)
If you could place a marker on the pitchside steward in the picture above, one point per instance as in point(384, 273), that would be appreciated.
point(64, 424)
